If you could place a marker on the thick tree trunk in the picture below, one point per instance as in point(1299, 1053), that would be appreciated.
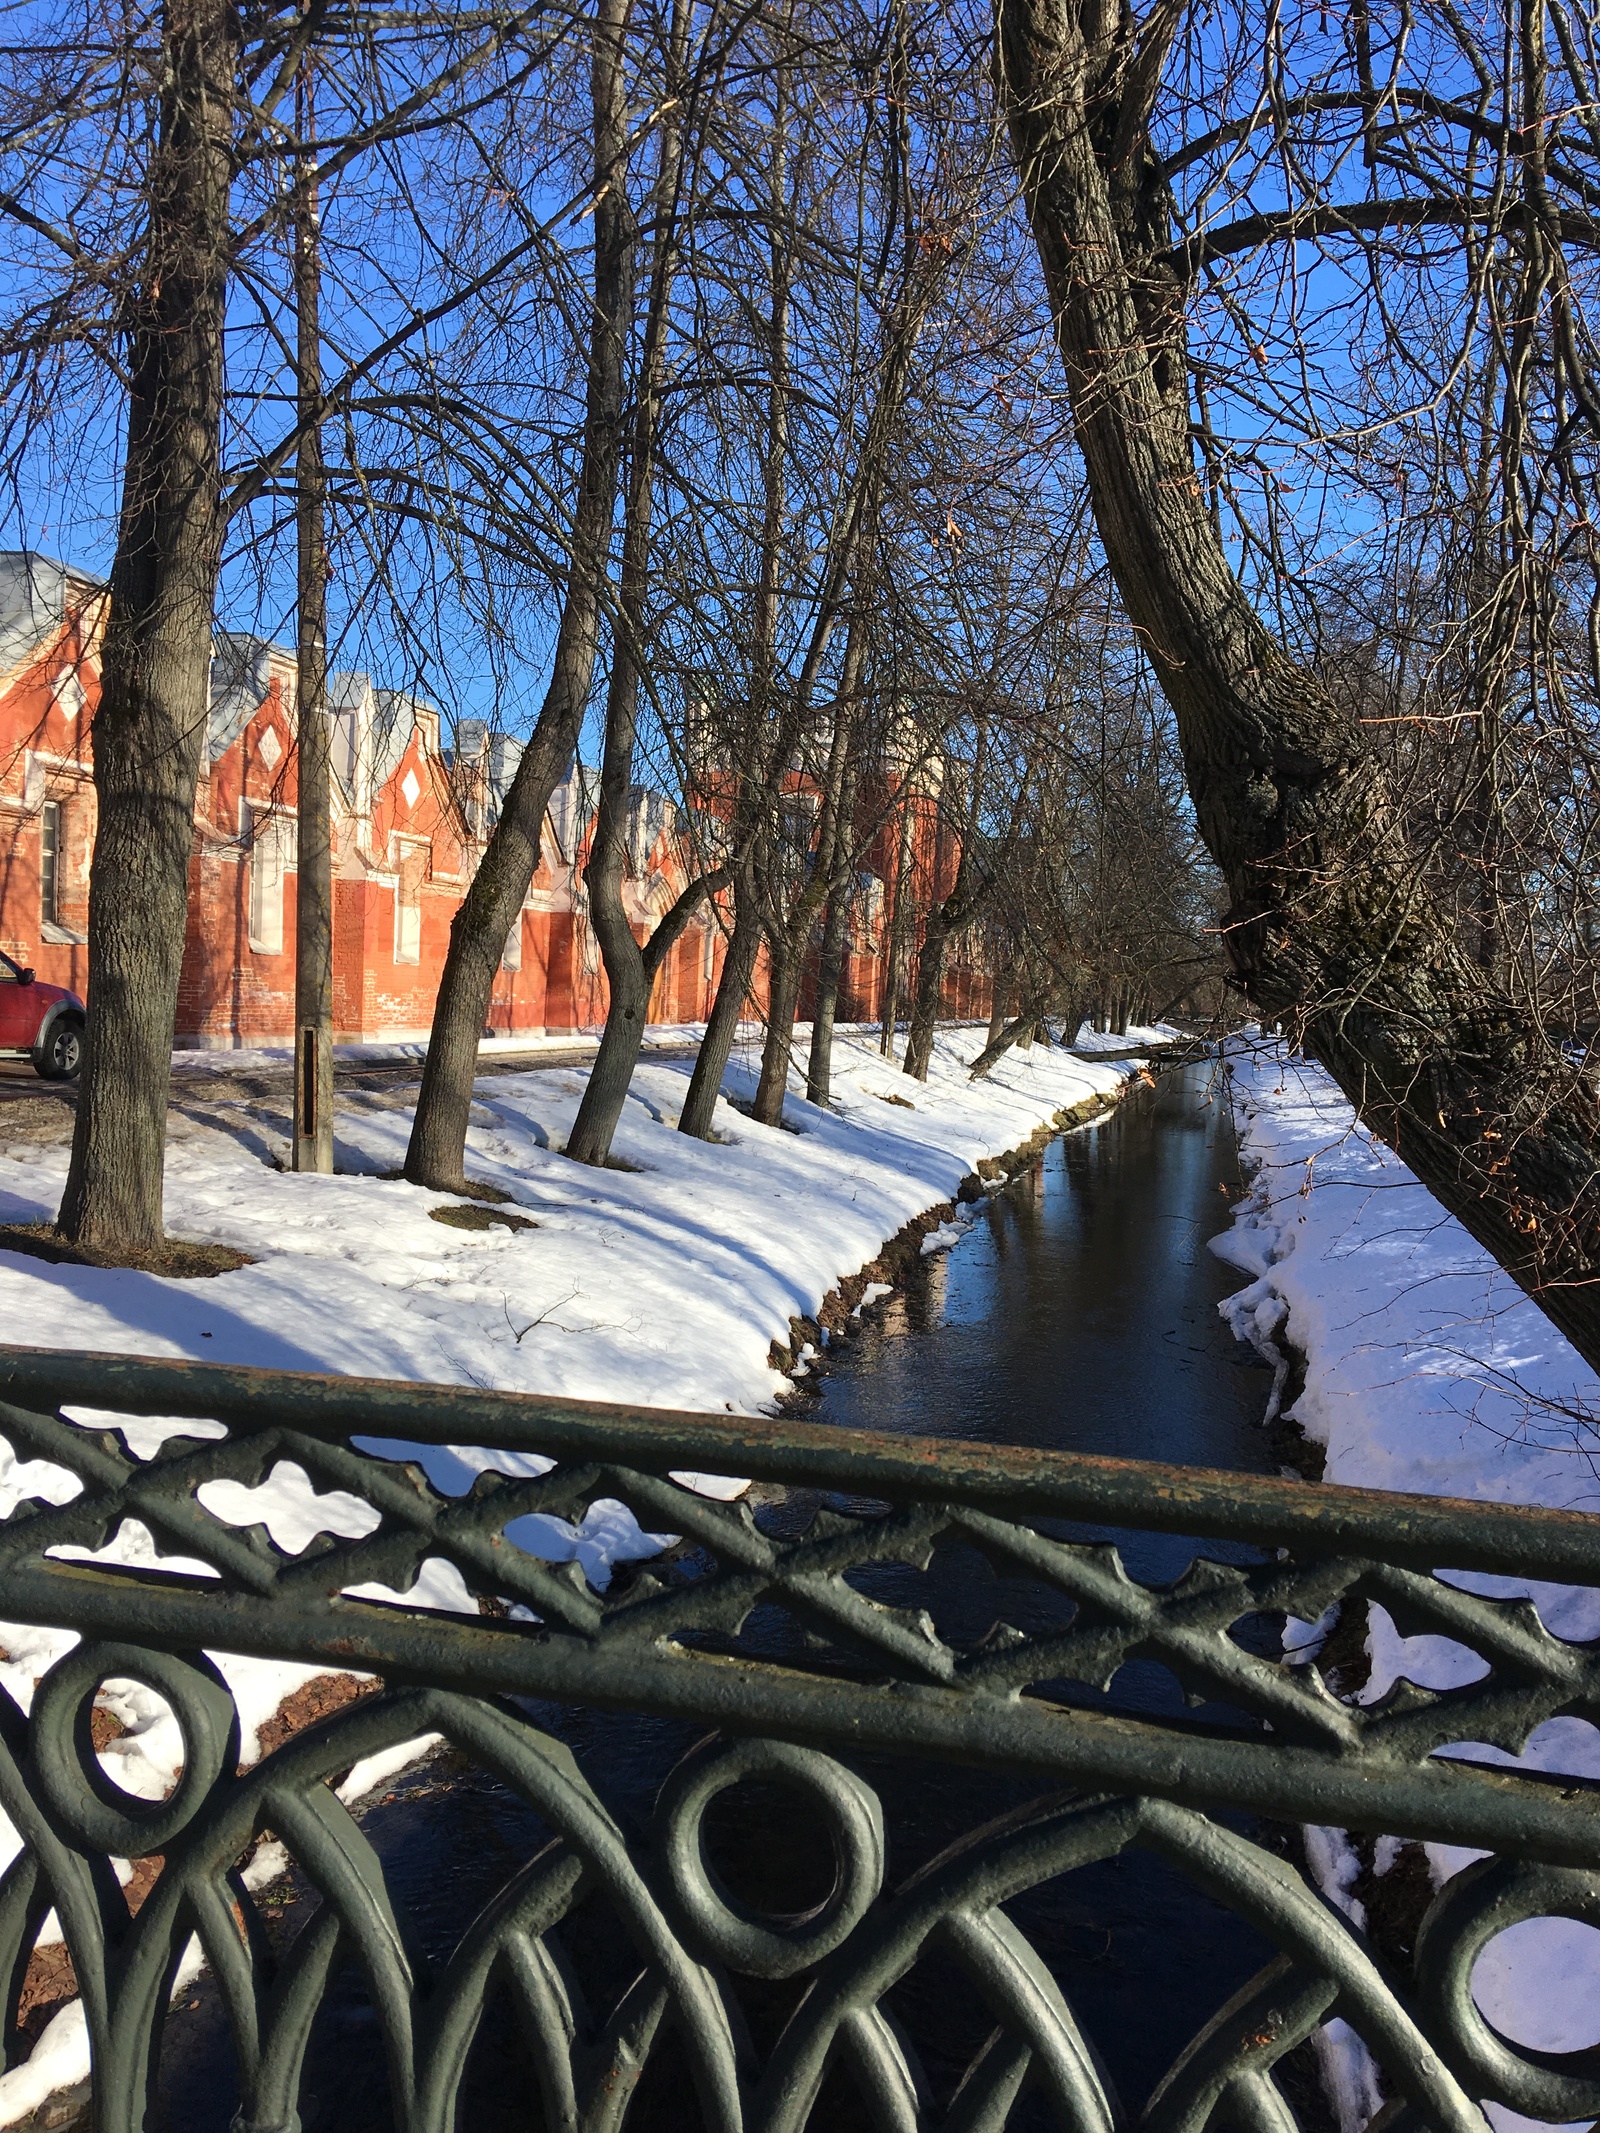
point(1018, 1031)
point(727, 1011)
point(789, 932)
point(156, 660)
point(632, 978)
point(1332, 927)
point(948, 918)
point(628, 1004)
point(493, 903)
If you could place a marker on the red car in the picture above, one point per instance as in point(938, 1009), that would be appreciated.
point(43, 1023)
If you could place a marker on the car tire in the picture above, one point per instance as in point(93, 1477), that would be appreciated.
point(59, 1056)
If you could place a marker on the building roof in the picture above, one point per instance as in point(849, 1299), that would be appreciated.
point(34, 601)
point(241, 672)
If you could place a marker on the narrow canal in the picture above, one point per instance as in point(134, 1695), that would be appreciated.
point(1077, 1313)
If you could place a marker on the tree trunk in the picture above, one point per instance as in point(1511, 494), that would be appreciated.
point(156, 659)
point(1019, 1031)
point(606, 1090)
point(1332, 927)
point(889, 1016)
point(948, 918)
point(727, 1011)
point(628, 975)
point(783, 1002)
point(312, 1137)
point(925, 1001)
point(493, 902)
point(830, 969)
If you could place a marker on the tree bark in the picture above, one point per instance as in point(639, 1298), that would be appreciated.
point(925, 1000)
point(611, 1075)
point(312, 1138)
point(1332, 927)
point(783, 1004)
point(150, 725)
point(629, 974)
point(830, 970)
point(493, 903)
point(951, 916)
point(1019, 1031)
point(727, 1010)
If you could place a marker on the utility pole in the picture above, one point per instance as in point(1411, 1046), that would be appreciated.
point(313, 974)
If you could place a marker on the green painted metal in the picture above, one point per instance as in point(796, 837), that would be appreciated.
point(762, 1626)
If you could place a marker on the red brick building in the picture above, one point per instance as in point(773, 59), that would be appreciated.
point(409, 823)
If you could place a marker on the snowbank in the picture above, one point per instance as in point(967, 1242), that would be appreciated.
point(1426, 1370)
point(1090, 1039)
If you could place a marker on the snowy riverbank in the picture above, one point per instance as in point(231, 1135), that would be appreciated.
point(1426, 1370)
point(666, 1281)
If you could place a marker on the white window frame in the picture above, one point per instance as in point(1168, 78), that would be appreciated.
point(269, 837)
point(50, 840)
point(408, 916)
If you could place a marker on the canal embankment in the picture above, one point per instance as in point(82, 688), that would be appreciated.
point(1406, 1359)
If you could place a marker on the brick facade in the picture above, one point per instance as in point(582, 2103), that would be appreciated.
point(409, 822)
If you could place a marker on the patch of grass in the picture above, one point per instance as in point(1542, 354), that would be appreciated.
point(478, 1217)
point(173, 1258)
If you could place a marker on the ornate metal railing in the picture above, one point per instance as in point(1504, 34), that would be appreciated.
point(793, 1631)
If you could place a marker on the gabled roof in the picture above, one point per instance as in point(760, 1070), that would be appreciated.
point(241, 673)
point(36, 594)
point(394, 720)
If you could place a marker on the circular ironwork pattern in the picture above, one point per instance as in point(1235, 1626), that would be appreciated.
point(719, 1925)
point(1468, 1912)
point(89, 1806)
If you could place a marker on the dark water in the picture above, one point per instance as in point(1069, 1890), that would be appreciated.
point(1078, 1313)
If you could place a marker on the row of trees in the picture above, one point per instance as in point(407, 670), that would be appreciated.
point(668, 380)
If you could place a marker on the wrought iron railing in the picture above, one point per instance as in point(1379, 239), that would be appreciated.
point(793, 1632)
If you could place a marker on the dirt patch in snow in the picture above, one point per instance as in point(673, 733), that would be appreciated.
point(479, 1218)
point(175, 1259)
point(315, 1700)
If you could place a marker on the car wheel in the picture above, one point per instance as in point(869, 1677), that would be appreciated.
point(61, 1054)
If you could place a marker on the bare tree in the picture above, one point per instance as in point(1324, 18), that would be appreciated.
point(499, 888)
point(126, 259)
point(1333, 926)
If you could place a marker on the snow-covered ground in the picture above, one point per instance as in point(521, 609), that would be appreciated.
point(664, 1281)
point(660, 1036)
point(1429, 1371)
point(1090, 1039)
